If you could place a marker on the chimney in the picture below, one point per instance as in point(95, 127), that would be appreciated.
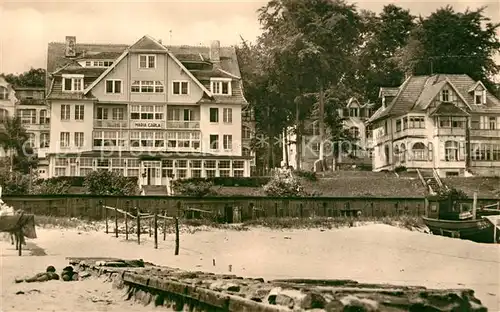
point(215, 51)
point(70, 50)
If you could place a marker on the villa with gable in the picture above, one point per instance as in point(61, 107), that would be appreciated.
point(449, 124)
point(146, 110)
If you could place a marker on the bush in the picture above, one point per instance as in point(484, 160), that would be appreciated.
point(232, 181)
point(284, 184)
point(192, 188)
point(110, 183)
point(399, 169)
point(51, 187)
point(72, 181)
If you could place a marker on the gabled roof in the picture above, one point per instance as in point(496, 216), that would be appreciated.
point(449, 109)
point(472, 88)
point(416, 92)
point(195, 61)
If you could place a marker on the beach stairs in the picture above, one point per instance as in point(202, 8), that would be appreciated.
point(431, 180)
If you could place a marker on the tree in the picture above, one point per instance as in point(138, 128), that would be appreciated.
point(449, 42)
point(14, 139)
point(32, 78)
point(384, 36)
point(309, 47)
point(109, 183)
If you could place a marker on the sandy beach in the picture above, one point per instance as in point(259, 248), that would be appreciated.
point(371, 253)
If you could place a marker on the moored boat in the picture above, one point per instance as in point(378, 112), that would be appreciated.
point(453, 217)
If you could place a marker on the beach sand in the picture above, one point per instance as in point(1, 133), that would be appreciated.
point(372, 253)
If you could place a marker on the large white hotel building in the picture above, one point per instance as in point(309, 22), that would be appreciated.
point(147, 110)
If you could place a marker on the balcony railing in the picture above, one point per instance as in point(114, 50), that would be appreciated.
point(485, 132)
point(176, 124)
point(449, 131)
point(32, 102)
point(103, 123)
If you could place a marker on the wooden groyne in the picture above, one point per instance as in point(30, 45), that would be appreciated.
point(201, 291)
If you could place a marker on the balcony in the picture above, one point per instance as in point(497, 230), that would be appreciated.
point(32, 102)
point(177, 124)
point(410, 132)
point(490, 133)
point(36, 126)
point(449, 131)
point(104, 123)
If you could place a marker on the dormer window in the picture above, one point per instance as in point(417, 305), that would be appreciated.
point(72, 83)
point(147, 61)
point(479, 97)
point(353, 112)
point(445, 95)
point(4, 93)
point(221, 86)
point(97, 63)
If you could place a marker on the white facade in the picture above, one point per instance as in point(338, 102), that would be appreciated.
point(147, 110)
point(451, 125)
point(358, 152)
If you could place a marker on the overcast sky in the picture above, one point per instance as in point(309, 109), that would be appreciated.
point(26, 27)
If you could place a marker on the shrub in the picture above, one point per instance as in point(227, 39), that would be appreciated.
point(193, 188)
point(51, 187)
point(284, 184)
point(109, 183)
point(399, 169)
point(232, 181)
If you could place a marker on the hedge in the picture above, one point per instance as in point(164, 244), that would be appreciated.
point(76, 181)
point(232, 181)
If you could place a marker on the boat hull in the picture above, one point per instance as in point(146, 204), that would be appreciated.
point(479, 230)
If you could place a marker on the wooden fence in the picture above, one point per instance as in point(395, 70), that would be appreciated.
point(224, 209)
point(152, 219)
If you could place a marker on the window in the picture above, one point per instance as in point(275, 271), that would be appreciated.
point(44, 139)
point(4, 114)
point(65, 112)
point(102, 113)
point(451, 151)
point(419, 152)
point(227, 142)
point(72, 83)
point(79, 112)
point(398, 125)
point(180, 87)
point(64, 139)
point(224, 168)
point(417, 122)
point(495, 152)
point(353, 112)
point(188, 114)
point(492, 123)
point(146, 112)
point(147, 139)
point(354, 131)
point(214, 141)
point(246, 152)
point(445, 95)
point(4, 93)
point(147, 86)
point(43, 117)
point(79, 139)
point(31, 140)
point(118, 113)
point(214, 114)
point(147, 61)
point(227, 115)
point(246, 133)
point(221, 87)
point(482, 151)
point(28, 116)
point(108, 138)
point(479, 97)
point(183, 140)
point(113, 86)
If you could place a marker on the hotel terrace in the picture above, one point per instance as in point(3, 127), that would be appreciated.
point(146, 110)
point(449, 124)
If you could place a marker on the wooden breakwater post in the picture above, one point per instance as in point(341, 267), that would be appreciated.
point(176, 236)
point(155, 221)
point(164, 225)
point(138, 226)
point(116, 222)
point(105, 216)
point(126, 221)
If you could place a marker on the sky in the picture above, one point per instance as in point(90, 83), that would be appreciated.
point(27, 27)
